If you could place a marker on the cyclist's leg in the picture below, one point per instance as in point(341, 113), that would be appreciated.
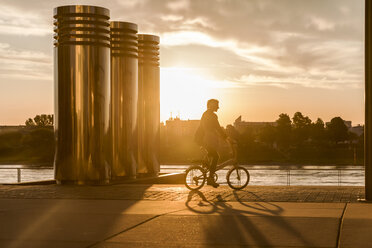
point(212, 153)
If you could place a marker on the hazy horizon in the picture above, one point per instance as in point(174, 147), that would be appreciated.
point(259, 58)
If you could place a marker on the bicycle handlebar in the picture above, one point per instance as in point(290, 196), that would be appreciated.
point(233, 146)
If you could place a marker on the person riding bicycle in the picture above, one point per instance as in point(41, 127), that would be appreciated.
point(208, 134)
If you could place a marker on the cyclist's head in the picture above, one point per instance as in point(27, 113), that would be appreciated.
point(212, 104)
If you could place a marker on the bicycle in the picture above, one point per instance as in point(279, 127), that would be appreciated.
point(237, 177)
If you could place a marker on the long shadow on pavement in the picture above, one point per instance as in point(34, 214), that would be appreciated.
point(243, 224)
point(67, 216)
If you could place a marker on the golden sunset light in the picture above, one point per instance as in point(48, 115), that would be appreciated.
point(184, 90)
point(185, 123)
point(309, 59)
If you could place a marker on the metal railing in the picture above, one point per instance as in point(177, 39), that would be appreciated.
point(19, 170)
point(339, 181)
point(289, 172)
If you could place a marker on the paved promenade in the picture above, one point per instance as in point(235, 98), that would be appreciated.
point(172, 216)
point(178, 192)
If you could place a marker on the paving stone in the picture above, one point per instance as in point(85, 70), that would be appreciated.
point(177, 192)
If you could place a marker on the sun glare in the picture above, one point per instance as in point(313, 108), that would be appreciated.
point(184, 92)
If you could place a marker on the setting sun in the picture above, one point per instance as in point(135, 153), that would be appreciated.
point(184, 92)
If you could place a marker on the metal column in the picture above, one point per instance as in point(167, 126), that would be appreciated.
point(124, 98)
point(368, 101)
point(82, 94)
point(148, 105)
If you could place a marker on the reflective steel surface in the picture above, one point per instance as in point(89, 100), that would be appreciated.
point(148, 104)
point(124, 98)
point(82, 95)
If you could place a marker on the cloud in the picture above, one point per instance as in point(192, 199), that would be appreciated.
point(310, 39)
point(178, 5)
point(282, 40)
point(130, 3)
point(171, 18)
point(179, 38)
point(265, 49)
point(322, 24)
point(23, 64)
point(15, 22)
point(309, 81)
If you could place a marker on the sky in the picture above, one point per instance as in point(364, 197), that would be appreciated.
point(259, 58)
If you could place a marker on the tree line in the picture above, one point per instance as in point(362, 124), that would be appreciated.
point(40, 121)
point(33, 144)
point(296, 140)
point(300, 130)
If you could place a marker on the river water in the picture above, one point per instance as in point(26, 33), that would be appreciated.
point(259, 174)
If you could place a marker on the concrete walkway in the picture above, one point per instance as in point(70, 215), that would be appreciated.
point(178, 192)
point(171, 216)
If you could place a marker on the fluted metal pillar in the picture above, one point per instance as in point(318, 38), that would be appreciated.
point(82, 94)
point(124, 98)
point(149, 105)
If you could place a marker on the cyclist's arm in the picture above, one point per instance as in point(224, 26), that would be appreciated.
point(219, 129)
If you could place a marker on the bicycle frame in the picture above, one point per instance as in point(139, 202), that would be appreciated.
point(237, 177)
point(232, 161)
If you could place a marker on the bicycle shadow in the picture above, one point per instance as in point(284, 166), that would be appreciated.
point(243, 224)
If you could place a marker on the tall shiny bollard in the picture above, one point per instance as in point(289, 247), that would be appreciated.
point(148, 105)
point(82, 94)
point(124, 98)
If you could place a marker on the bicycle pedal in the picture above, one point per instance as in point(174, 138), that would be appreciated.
point(196, 181)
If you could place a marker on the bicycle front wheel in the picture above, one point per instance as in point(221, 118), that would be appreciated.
point(237, 177)
point(195, 177)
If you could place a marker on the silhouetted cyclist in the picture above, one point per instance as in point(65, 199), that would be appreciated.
point(209, 132)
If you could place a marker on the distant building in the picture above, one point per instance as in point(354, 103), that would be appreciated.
point(6, 129)
point(178, 127)
point(241, 126)
point(358, 130)
point(348, 124)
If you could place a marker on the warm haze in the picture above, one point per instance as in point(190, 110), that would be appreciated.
point(259, 58)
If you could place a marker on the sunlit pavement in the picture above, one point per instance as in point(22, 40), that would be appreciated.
point(178, 192)
point(172, 216)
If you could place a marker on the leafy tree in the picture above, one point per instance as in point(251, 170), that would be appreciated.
point(337, 130)
point(317, 132)
point(267, 134)
point(300, 121)
point(40, 121)
point(248, 136)
point(284, 130)
point(302, 125)
point(30, 122)
point(283, 121)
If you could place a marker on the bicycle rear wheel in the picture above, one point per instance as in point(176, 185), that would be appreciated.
point(195, 177)
point(237, 177)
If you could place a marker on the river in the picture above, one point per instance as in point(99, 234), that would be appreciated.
point(259, 174)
